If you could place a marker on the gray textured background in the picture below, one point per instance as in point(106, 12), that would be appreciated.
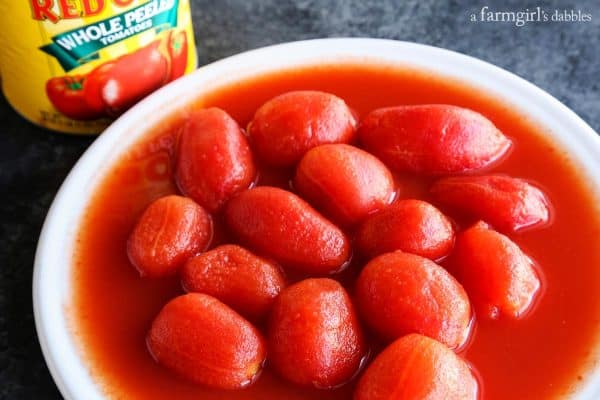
point(561, 58)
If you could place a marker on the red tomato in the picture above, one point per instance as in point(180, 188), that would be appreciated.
point(432, 139)
point(93, 85)
point(171, 230)
point(416, 367)
point(67, 95)
point(409, 225)
point(279, 224)
point(130, 78)
point(509, 204)
point(287, 126)
point(207, 342)
point(344, 182)
point(214, 161)
point(245, 282)
point(314, 337)
point(500, 278)
point(178, 51)
point(400, 293)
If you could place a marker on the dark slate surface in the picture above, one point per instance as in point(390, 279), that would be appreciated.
point(562, 58)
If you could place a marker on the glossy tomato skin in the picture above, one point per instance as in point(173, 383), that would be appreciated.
point(509, 204)
point(67, 96)
point(94, 85)
point(178, 52)
point(314, 337)
point(287, 126)
point(247, 283)
point(432, 139)
point(500, 278)
point(409, 225)
point(134, 76)
point(278, 224)
point(214, 161)
point(416, 367)
point(170, 230)
point(400, 293)
point(344, 182)
point(206, 342)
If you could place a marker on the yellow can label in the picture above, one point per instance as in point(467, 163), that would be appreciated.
point(74, 65)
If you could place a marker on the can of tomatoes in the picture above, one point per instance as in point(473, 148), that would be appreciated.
point(74, 65)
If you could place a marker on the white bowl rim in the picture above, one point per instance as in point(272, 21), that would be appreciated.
point(52, 266)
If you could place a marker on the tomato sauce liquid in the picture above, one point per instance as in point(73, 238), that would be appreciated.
point(542, 356)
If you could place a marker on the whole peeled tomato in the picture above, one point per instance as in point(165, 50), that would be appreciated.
point(203, 340)
point(344, 182)
point(400, 293)
point(432, 139)
point(500, 278)
point(170, 230)
point(287, 126)
point(416, 367)
point(509, 204)
point(410, 225)
point(314, 337)
point(278, 224)
point(245, 282)
point(214, 161)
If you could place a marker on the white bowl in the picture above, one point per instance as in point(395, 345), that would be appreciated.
point(53, 261)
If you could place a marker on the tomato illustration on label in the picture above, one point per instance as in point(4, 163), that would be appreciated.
point(67, 95)
point(114, 86)
point(94, 85)
point(134, 76)
point(178, 51)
